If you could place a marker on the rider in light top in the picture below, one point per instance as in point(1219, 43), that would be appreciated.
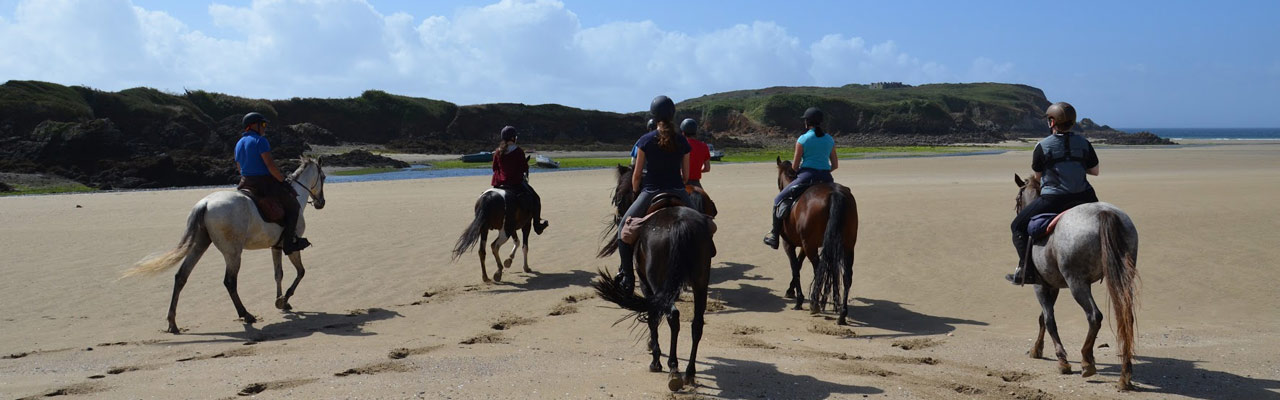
point(1062, 161)
point(699, 154)
point(259, 174)
point(510, 173)
point(814, 160)
point(662, 166)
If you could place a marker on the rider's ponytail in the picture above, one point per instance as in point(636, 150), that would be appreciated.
point(817, 130)
point(666, 136)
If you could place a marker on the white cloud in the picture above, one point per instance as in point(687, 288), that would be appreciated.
point(531, 51)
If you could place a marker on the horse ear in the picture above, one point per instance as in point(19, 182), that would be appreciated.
point(1018, 180)
point(779, 161)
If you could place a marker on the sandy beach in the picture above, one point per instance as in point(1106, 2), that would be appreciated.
point(384, 313)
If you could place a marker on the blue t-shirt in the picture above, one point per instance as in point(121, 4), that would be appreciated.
point(817, 150)
point(249, 154)
point(662, 168)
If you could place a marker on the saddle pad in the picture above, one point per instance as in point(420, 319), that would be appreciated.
point(631, 229)
point(270, 209)
point(1042, 225)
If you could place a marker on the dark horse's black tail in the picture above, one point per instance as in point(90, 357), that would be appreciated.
point(486, 205)
point(690, 231)
point(826, 277)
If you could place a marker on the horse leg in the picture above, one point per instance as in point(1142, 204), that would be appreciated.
point(1084, 297)
point(817, 303)
point(654, 366)
point(1049, 295)
point(525, 248)
point(233, 270)
point(793, 289)
point(484, 271)
point(296, 260)
point(674, 382)
point(848, 284)
point(695, 329)
point(515, 240)
point(180, 279)
point(279, 270)
point(1037, 349)
point(496, 247)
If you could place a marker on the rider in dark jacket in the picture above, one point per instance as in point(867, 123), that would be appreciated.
point(1061, 161)
point(511, 173)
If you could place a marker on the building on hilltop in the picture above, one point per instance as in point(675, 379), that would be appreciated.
point(889, 85)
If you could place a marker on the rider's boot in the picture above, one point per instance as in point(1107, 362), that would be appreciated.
point(779, 210)
point(289, 241)
point(1025, 274)
point(626, 276)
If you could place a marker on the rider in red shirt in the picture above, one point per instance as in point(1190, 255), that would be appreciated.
point(699, 153)
point(511, 173)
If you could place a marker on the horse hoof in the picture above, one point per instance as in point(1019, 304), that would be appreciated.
point(527, 269)
point(841, 322)
point(1124, 385)
point(1087, 371)
point(688, 380)
point(174, 330)
point(497, 277)
point(281, 303)
point(1064, 368)
point(249, 319)
point(655, 367)
point(791, 294)
point(675, 383)
point(506, 264)
point(1037, 353)
point(486, 279)
point(798, 307)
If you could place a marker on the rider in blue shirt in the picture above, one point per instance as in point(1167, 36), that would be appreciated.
point(259, 174)
point(815, 158)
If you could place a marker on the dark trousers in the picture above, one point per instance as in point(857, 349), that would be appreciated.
point(524, 195)
point(266, 186)
point(1042, 205)
point(804, 177)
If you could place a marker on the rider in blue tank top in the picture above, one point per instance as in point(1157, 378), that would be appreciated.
point(815, 158)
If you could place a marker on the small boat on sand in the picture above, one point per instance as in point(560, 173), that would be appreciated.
point(484, 156)
point(546, 162)
point(716, 155)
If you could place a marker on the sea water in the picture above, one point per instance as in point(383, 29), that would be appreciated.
point(1212, 133)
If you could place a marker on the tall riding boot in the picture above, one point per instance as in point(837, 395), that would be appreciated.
point(535, 208)
point(779, 210)
point(1025, 274)
point(626, 270)
point(288, 238)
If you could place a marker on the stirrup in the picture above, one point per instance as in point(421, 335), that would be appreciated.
point(771, 240)
point(297, 245)
point(1020, 277)
point(625, 280)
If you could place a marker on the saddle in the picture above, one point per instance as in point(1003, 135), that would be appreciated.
point(270, 208)
point(1042, 225)
point(631, 228)
point(664, 200)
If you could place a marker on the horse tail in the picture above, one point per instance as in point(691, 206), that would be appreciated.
point(471, 235)
point(1122, 279)
point(610, 240)
point(826, 278)
point(158, 263)
point(683, 257)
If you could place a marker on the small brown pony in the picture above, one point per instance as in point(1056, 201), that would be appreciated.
point(491, 214)
point(824, 223)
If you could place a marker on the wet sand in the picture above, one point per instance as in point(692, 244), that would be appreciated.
point(384, 313)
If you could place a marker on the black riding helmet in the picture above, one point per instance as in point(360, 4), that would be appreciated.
point(252, 118)
point(509, 133)
point(651, 125)
point(689, 127)
point(813, 116)
point(662, 108)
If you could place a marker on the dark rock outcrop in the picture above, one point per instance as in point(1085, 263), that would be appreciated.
point(362, 158)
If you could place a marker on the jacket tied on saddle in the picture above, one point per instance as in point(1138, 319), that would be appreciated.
point(270, 195)
point(632, 227)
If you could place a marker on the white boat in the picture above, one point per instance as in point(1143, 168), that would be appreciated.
point(546, 162)
point(716, 155)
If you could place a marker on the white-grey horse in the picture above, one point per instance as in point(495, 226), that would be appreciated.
point(1091, 241)
point(230, 221)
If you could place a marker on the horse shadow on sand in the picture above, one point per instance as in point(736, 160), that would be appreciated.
point(1183, 378)
point(892, 316)
point(545, 281)
point(300, 324)
point(745, 297)
point(743, 379)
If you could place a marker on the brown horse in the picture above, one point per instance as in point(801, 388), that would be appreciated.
point(623, 196)
point(824, 223)
point(491, 213)
point(674, 251)
point(1091, 241)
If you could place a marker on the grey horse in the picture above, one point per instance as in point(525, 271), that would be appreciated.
point(230, 221)
point(1091, 241)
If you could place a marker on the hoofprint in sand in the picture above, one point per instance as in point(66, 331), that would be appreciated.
point(384, 314)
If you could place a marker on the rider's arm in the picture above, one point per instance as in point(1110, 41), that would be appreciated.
point(835, 161)
point(637, 172)
point(684, 168)
point(795, 161)
point(271, 166)
point(1092, 171)
point(1091, 161)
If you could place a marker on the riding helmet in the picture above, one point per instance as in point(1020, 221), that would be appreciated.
point(509, 133)
point(689, 127)
point(252, 118)
point(813, 116)
point(651, 125)
point(1063, 114)
point(662, 108)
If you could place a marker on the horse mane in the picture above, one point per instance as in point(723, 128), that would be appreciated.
point(303, 162)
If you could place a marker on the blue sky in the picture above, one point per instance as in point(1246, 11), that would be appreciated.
point(1126, 64)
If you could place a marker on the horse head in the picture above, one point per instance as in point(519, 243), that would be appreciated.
point(310, 175)
point(786, 174)
point(623, 196)
point(1028, 191)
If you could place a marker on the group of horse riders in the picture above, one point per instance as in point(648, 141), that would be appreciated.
point(665, 162)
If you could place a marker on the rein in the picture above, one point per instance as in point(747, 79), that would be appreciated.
point(293, 179)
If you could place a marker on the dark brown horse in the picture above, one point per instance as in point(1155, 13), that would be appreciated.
point(823, 223)
point(492, 214)
point(673, 251)
point(622, 198)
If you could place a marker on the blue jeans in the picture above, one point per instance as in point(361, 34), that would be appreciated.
point(806, 176)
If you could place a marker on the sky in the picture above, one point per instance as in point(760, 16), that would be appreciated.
point(1121, 63)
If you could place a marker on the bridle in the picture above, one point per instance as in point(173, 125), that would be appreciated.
point(294, 180)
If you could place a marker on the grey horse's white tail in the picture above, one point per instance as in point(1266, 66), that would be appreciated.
point(1122, 280)
point(156, 264)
